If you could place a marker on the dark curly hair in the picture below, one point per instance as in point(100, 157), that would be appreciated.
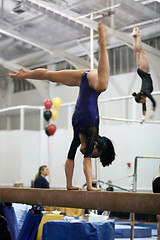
point(106, 148)
point(137, 96)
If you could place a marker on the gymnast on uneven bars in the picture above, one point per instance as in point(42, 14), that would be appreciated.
point(143, 72)
point(85, 118)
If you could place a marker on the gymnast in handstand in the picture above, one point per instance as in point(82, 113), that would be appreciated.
point(143, 72)
point(85, 119)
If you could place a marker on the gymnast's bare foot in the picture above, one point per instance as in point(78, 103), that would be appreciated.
point(93, 189)
point(135, 32)
point(102, 34)
point(20, 74)
point(73, 188)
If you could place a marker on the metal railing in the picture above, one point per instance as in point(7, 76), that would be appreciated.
point(8, 113)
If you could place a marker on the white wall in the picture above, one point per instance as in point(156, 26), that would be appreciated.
point(10, 157)
point(34, 152)
point(26, 98)
point(133, 140)
point(22, 152)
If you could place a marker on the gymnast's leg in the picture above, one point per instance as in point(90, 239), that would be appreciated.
point(141, 58)
point(69, 168)
point(98, 79)
point(66, 77)
point(103, 65)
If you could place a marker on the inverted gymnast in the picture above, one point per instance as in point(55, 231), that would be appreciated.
point(85, 119)
point(143, 71)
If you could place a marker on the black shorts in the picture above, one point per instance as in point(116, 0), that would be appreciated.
point(90, 134)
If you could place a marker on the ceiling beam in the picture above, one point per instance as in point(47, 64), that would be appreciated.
point(91, 24)
point(73, 60)
point(28, 58)
point(123, 37)
point(55, 11)
point(85, 22)
point(139, 8)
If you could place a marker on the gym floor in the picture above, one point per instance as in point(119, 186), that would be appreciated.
point(142, 230)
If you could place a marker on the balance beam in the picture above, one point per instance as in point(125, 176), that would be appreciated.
point(112, 201)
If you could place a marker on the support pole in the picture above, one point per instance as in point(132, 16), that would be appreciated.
point(91, 46)
point(22, 118)
point(135, 188)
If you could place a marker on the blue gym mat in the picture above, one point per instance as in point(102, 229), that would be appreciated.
point(123, 230)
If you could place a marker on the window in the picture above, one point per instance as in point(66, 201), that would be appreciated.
point(22, 85)
point(121, 59)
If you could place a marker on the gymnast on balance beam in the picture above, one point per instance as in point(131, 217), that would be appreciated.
point(85, 119)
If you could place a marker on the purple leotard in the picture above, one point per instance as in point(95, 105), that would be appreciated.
point(86, 112)
point(85, 118)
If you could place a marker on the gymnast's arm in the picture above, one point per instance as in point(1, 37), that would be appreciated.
point(144, 109)
point(67, 77)
point(152, 100)
point(143, 112)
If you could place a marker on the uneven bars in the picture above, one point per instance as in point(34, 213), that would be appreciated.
point(135, 169)
point(135, 184)
point(98, 200)
point(71, 103)
point(156, 157)
point(123, 97)
point(124, 189)
point(129, 120)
